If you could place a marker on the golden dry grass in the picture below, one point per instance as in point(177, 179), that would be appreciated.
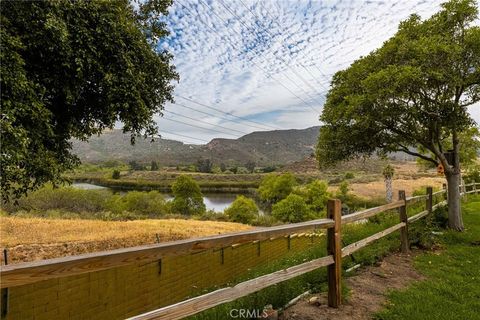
point(30, 239)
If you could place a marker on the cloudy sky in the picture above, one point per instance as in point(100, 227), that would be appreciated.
point(249, 65)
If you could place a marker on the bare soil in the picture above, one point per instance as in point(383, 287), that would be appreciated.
point(367, 292)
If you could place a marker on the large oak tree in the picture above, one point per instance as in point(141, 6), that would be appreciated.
point(409, 95)
point(70, 69)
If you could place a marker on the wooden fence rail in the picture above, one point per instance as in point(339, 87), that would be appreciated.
point(26, 273)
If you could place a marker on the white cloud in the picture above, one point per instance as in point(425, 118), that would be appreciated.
point(239, 55)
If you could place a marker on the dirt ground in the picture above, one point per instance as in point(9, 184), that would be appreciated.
point(367, 292)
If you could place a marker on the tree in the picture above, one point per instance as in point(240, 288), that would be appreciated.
point(116, 174)
point(70, 69)
point(292, 209)
point(135, 166)
point(223, 167)
point(188, 198)
point(204, 165)
point(412, 93)
point(250, 165)
point(274, 188)
point(315, 194)
point(154, 166)
point(388, 172)
point(243, 210)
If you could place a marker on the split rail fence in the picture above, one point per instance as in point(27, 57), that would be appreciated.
point(27, 273)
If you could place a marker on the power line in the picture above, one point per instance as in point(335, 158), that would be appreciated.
point(184, 136)
point(286, 64)
point(213, 115)
point(203, 128)
point(228, 113)
point(265, 72)
point(211, 124)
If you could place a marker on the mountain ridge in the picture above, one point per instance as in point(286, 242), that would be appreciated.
point(276, 147)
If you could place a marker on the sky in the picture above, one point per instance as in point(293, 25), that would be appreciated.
point(261, 65)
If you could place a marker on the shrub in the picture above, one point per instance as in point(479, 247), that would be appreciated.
point(250, 165)
point(292, 209)
point(204, 165)
point(269, 169)
point(315, 195)
point(274, 188)
point(188, 198)
point(154, 166)
point(472, 174)
point(349, 175)
point(242, 170)
point(243, 210)
point(150, 203)
point(343, 190)
point(116, 174)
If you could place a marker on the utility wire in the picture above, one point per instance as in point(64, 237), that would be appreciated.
point(281, 59)
point(262, 69)
point(199, 127)
point(213, 115)
point(202, 121)
point(228, 113)
point(182, 135)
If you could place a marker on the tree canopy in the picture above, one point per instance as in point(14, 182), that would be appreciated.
point(71, 69)
point(188, 197)
point(410, 94)
point(243, 210)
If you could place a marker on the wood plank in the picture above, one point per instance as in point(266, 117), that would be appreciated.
point(418, 216)
point(334, 248)
point(402, 211)
point(351, 248)
point(195, 305)
point(371, 212)
point(31, 272)
point(412, 200)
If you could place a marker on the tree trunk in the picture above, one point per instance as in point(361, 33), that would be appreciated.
point(389, 189)
point(455, 220)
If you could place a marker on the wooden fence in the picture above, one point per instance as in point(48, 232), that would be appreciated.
point(27, 273)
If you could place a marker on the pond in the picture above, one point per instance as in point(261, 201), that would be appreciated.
point(213, 201)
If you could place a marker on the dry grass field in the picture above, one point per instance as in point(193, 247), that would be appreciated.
point(30, 239)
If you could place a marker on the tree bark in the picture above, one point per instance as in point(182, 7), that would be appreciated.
point(455, 220)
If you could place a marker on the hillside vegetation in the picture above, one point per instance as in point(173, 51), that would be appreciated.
point(264, 148)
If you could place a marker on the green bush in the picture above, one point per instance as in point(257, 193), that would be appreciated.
point(292, 209)
point(315, 195)
point(349, 175)
point(188, 198)
point(243, 210)
point(472, 174)
point(151, 204)
point(274, 188)
point(116, 174)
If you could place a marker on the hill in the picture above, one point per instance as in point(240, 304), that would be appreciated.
point(264, 147)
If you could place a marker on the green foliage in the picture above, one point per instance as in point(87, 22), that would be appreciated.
point(250, 165)
point(135, 166)
point(69, 202)
point(412, 92)
point(446, 270)
point(315, 195)
point(269, 169)
point(55, 58)
point(223, 167)
point(243, 210)
point(204, 165)
point(188, 198)
point(349, 175)
point(116, 174)
point(388, 172)
point(274, 188)
point(472, 174)
point(343, 190)
point(292, 209)
point(154, 166)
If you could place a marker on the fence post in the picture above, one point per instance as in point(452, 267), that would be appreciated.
point(475, 188)
point(429, 204)
point(445, 194)
point(403, 218)
point(334, 247)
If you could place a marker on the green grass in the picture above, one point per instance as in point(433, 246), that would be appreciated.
point(452, 287)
